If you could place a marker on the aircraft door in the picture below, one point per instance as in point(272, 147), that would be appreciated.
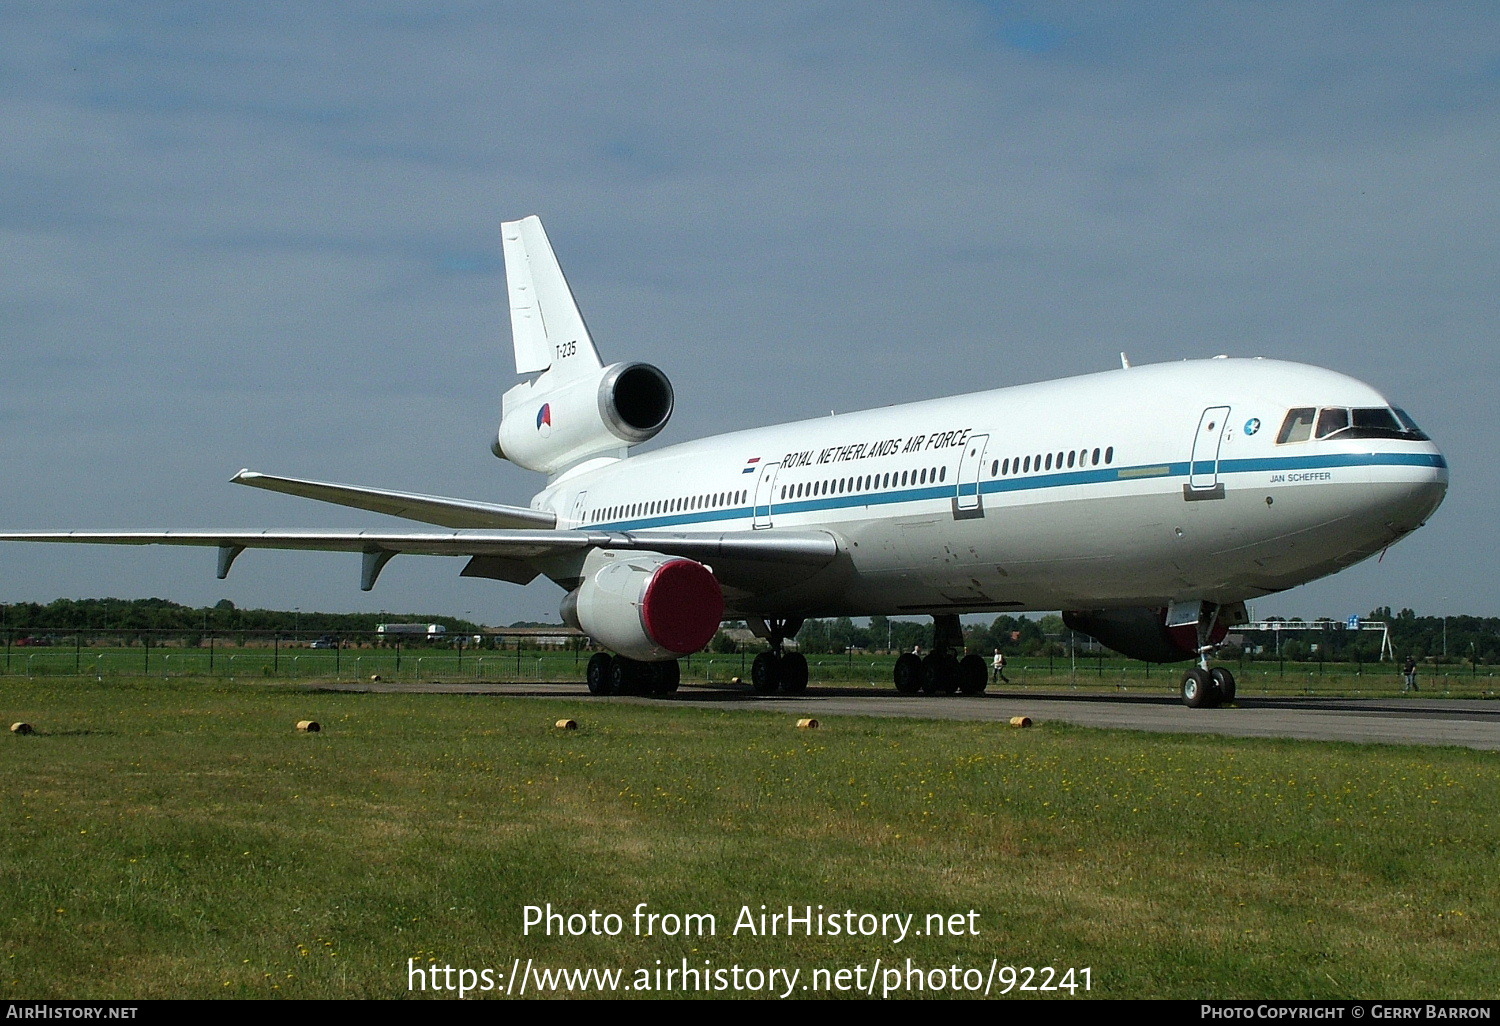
point(578, 508)
point(1203, 471)
point(967, 501)
point(764, 492)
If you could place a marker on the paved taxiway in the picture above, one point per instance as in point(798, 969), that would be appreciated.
point(1416, 721)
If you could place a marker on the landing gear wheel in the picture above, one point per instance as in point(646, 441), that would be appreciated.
point(665, 677)
point(1223, 683)
point(948, 679)
point(765, 673)
point(1198, 689)
point(908, 674)
point(939, 674)
point(600, 673)
point(973, 676)
point(629, 677)
point(793, 673)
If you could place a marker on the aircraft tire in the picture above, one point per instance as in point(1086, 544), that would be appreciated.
point(793, 673)
point(928, 675)
point(939, 674)
point(948, 674)
point(630, 677)
point(973, 675)
point(1223, 684)
point(665, 677)
point(908, 674)
point(765, 674)
point(600, 675)
point(1197, 689)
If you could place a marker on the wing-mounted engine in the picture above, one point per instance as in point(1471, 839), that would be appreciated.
point(1142, 632)
point(644, 605)
point(550, 425)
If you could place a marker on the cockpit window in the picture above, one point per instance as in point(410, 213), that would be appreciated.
point(1331, 420)
point(1370, 422)
point(1297, 427)
point(1413, 432)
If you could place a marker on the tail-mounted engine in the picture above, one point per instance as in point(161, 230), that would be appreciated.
point(644, 605)
point(551, 425)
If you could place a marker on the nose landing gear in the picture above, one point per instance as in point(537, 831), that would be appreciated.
point(1206, 687)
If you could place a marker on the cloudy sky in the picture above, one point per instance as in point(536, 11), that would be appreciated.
point(266, 236)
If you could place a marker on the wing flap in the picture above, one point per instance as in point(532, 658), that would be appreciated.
point(428, 509)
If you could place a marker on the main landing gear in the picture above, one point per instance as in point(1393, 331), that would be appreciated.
point(615, 675)
point(1206, 687)
point(778, 670)
point(942, 672)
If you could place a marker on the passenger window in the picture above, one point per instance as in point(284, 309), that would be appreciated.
point(1297, 427)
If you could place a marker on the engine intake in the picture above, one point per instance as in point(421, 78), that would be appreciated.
point(549, 426)
point(645, 605)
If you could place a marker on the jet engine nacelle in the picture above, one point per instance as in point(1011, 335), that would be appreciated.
point(644, 605)
point(1142, 633)
point(549, 425)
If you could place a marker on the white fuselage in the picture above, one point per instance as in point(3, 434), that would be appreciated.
point(1133, 487)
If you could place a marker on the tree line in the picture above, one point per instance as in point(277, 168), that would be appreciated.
point(1429, 638)
point(155, 614)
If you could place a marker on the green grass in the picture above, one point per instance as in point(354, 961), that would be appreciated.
point(180, 839)
point(294, 663)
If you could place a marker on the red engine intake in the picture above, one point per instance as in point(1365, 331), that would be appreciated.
point(682, 606)
point(645, 605)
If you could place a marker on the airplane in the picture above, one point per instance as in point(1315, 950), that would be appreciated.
point(1149, 503)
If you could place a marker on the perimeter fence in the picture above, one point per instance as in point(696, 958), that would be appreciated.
point(511, 659)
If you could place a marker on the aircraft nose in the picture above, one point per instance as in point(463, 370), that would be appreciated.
point(1411, 491)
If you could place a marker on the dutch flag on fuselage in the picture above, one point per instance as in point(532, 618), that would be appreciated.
point(750, 465)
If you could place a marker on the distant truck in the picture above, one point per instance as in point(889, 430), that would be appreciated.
point(430, 631)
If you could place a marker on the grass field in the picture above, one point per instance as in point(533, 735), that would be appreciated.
point(178, 838)
point(299, 663)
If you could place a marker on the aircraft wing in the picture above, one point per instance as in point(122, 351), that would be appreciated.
point(503, 555)
point(429, 509)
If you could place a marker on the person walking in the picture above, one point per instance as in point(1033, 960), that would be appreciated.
point(1410, 672)
point(999, 668)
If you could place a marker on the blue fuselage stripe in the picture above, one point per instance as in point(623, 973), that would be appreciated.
point(1034, 482)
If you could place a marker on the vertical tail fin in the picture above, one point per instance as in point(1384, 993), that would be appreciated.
point(545, 325)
